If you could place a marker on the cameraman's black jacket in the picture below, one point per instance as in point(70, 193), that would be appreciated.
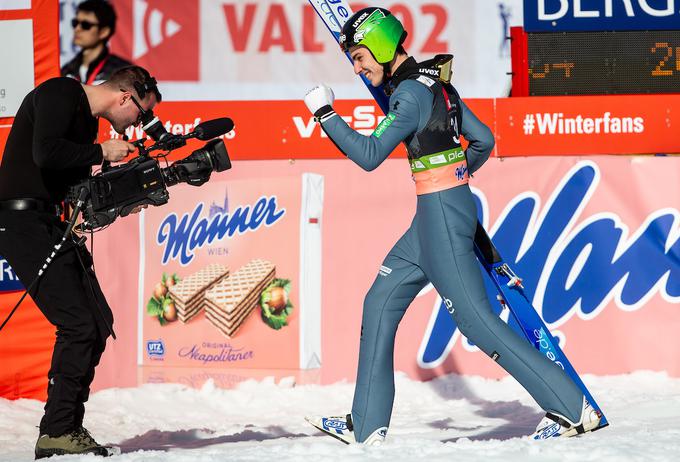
point(50, 145)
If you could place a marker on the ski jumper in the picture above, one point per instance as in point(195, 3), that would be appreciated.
point(429, 117)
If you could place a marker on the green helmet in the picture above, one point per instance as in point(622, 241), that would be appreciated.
point(375, 28)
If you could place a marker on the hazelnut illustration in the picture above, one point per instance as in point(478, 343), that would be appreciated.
point(160, 290)
point(277, 299)
point(170, 312)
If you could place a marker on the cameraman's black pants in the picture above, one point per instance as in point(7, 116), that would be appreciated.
point(68, 300)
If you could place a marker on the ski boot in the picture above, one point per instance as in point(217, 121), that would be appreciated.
point(554, 425)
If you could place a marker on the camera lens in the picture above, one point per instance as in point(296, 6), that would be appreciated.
point(217, 152)
point(196, 168)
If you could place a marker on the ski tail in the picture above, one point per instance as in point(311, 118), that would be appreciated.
point(509, 285)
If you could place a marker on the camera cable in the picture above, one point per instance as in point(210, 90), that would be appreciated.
point(57, 247)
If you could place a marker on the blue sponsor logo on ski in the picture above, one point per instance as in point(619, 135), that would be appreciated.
point(543, 341)
point(557, 257)
point(548, 432)
point(155, 348)
point(336, 424)
point(340, 8)
point(334, 13)
point(181, 237)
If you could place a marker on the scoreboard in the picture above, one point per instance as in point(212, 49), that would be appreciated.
point(596, 63)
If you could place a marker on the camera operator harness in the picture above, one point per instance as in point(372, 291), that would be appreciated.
point(116, 191)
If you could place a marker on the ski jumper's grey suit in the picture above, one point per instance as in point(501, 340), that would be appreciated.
point(437, 248)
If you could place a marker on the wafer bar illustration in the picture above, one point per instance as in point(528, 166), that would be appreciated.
point(188, 293)
point(230, 302)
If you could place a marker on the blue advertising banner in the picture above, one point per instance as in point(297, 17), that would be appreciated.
point(600, 15)
point(9, 282)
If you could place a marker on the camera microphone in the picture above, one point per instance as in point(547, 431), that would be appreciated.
point(205, 131)
point(212, 128)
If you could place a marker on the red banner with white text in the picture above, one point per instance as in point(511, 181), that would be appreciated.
point(576, 125)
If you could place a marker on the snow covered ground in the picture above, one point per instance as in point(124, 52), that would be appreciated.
point(453, 418)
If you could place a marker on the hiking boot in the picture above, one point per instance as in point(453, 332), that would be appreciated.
point(554, 425)
point(78, 441)
point(112, 450)
point(341, 428)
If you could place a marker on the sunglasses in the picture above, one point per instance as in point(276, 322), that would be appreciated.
point(144, 116)
point(85, 25)
point(142, 112)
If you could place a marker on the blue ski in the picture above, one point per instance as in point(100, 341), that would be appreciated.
point(511, 290)
point(334, 13)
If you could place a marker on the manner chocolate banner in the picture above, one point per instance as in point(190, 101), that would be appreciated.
point(230, 275)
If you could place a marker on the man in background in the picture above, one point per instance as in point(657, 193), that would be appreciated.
point(93, 27)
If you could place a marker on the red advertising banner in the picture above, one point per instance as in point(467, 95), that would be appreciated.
point(593, 125)
point(587, 125)
point(263, 129)
point(25, 346)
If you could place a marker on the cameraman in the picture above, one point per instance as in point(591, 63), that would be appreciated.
point(50, 147)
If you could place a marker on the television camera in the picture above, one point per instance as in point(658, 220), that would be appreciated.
point(118, 190)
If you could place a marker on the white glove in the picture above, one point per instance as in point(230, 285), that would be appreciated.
point(318, 97)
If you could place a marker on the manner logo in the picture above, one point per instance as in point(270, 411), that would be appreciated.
point(557, 256)
point(182, 236)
